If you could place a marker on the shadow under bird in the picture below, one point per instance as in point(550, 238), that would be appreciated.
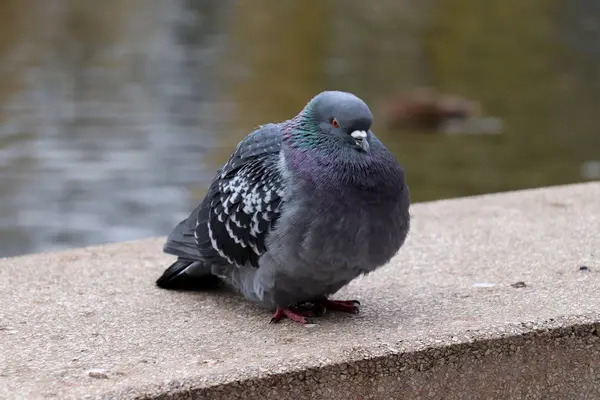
point(301, 209)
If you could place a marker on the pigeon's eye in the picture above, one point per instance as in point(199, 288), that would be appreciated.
point(335, 123)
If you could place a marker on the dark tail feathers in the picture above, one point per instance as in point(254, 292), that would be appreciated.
point(188, 275)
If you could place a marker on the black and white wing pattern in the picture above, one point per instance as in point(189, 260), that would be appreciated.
point(244, 201)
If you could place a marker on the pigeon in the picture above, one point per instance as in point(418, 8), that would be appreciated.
point(300, 209)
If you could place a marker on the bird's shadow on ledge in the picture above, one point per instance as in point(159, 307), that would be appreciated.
point(232, 304)
point(402, 312)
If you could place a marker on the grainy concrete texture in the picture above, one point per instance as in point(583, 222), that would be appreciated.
point(443, 320)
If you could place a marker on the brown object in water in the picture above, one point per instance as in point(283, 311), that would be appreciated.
point(428, 110)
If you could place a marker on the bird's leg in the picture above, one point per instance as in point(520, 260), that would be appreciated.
point(293, 314)
point(313, 308)
point(322, 304)
point(349, 306)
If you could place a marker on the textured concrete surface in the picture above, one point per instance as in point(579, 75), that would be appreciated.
point(446, 319)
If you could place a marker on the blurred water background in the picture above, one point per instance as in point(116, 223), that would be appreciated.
point(115, 114)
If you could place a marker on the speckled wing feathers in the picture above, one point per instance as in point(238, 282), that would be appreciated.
point(246, 198)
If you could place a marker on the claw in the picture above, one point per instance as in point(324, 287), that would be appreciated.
point(313, 308)
point(349, 302)
point(295, 315)
point(349, 306)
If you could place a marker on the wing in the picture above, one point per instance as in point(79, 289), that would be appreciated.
point(181, 242)
point(244, 201)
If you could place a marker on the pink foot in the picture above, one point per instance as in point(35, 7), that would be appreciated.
point(349, 306)
point(293, 314)
point(319, 306)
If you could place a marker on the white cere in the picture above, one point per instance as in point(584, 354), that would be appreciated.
point(359, 134)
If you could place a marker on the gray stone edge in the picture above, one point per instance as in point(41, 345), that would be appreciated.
point(404, 358)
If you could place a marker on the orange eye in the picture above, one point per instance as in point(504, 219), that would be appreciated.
point(335, 123)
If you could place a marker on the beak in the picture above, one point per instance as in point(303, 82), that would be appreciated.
point(361, 139)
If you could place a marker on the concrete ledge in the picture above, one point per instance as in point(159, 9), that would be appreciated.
point(444, 320)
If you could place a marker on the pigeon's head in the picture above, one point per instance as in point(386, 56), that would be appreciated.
point(342, 116)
